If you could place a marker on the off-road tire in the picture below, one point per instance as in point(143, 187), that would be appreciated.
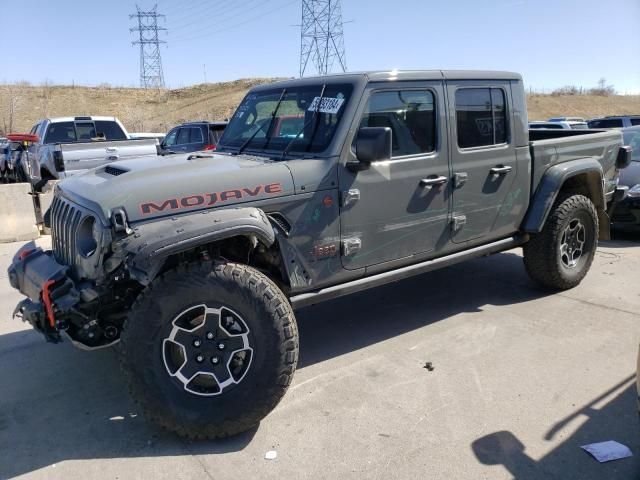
point(274, 335)
point(542, 253)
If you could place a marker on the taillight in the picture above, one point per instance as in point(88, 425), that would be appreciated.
point(209, 147)
point(58, 161)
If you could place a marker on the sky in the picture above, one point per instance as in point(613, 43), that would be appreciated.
point(552, 43)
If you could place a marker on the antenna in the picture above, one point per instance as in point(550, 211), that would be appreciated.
point(321, 36)
point(151, 75)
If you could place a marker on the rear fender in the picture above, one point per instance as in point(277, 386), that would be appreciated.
point(557, 178)
point(150, 244)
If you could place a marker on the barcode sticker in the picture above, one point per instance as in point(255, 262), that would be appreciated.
point(328, 105)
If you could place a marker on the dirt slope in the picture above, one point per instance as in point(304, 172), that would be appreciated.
point(157, 111)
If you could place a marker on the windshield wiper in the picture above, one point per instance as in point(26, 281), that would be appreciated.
point(273, 115)
point(306, 124)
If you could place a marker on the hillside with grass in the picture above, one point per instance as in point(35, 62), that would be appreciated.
point(157, 111)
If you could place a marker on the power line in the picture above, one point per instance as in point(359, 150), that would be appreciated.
point(322, 36)
point(201, 12)
point(151, 74)
point(213, 32)
point(219, 16)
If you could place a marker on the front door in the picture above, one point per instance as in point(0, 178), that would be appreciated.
point(398, 208)
point(483, 160)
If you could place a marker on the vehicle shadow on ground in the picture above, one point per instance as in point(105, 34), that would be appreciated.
point(616, 420)
point(621, 239)
point(59, 403)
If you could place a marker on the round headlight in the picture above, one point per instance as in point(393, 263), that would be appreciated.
point(86, 236)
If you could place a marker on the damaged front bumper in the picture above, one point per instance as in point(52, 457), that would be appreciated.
point(51, 293)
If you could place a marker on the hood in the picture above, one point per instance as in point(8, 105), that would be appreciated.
point(149, 187)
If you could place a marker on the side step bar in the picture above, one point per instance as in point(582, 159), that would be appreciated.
point(335, 291)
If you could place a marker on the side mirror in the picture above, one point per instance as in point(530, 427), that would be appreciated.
point(624, 157)
point(373, 144)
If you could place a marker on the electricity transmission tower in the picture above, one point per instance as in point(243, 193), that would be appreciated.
point(321, 36)
point(151, 75)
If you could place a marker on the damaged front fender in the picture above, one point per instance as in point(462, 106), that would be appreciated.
point(150, 244)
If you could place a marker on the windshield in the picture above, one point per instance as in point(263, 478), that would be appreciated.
point(632, 139)
point(254, 121)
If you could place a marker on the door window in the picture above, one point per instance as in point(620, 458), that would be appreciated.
point(606, 123)
point(170, 139)
point(480, 117)
point(410, 114)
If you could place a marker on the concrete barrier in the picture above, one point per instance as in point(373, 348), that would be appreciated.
point(42, 204)
point(17, 215)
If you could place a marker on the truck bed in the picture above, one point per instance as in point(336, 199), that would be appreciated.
point(550, 147)
point(82, 156)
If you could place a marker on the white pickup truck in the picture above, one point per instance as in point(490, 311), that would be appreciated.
point(70, 145)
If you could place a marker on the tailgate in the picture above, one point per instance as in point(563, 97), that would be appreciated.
point(83, 156)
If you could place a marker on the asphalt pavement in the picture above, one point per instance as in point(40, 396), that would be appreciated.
point(521, 379)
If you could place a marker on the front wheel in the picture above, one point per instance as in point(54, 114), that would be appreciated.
point(210, 349)
point(560, 256)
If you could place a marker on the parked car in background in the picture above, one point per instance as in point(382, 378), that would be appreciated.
point(567, 119)
point(192, 137)
point(10, 163)
point(615, 121)
point(69, 145)
point(626, 215)
point(138, 135)
point(560, 125)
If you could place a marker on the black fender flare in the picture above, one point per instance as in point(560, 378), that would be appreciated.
point(551, 184)
point(151, 243)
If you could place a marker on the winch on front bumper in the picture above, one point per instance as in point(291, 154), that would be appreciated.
point(51, 294)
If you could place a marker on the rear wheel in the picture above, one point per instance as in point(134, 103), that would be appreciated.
point(209, 350)
point(560, 256)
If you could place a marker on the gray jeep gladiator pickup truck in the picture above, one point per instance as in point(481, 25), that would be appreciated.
point(196, 262)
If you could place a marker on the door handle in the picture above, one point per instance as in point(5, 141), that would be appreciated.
point(433, 181)
point(111, 149)
point(500, 170)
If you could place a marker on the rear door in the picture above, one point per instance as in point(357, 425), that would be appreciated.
point(398, 208)
point(190, 139)
point(483, 159)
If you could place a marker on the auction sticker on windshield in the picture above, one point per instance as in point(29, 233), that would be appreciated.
point(328, 105)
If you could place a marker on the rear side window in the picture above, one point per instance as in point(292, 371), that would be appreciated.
point(110, 129)
point(635, 121)
point(606, 123)
point(481, 117)
point(183, 136)
point(195, 135)
point(410, 114)
point(62, 132)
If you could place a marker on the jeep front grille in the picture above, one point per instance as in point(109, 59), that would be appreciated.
point(65, 218)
